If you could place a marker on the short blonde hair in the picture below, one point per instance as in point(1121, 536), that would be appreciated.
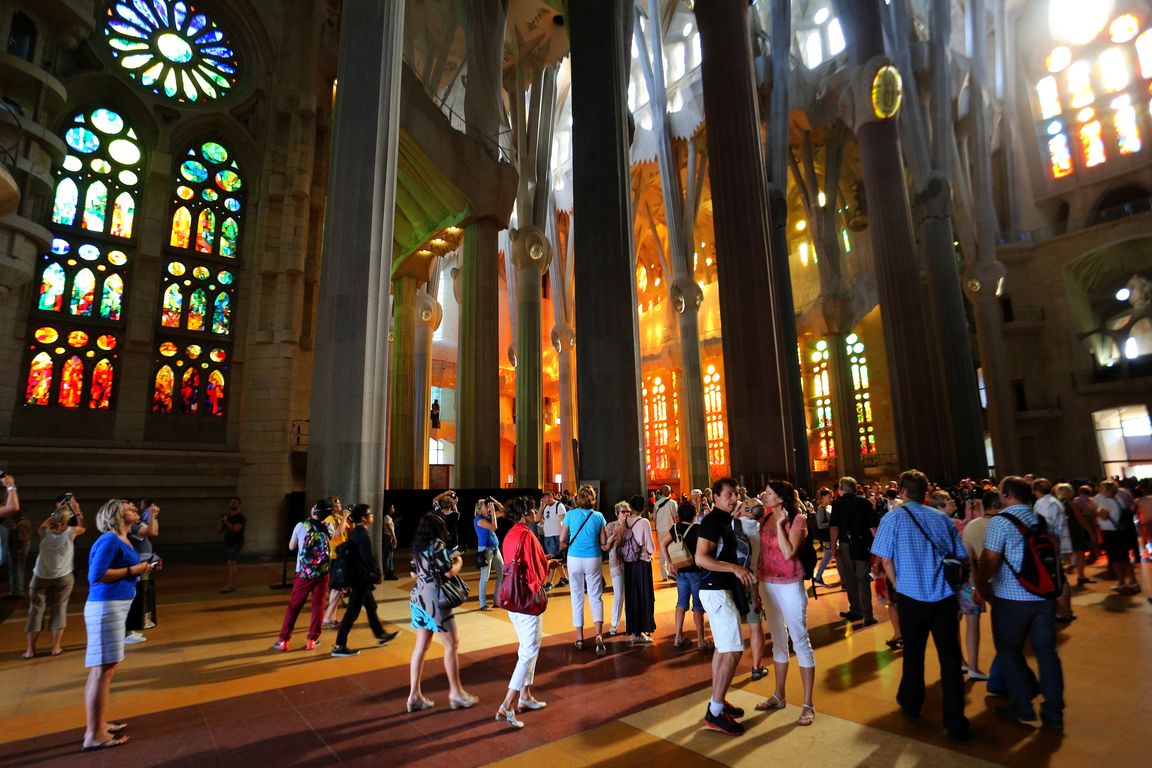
point(939, 499)
point(60, 517)
point(622, 506)
point(1063, 491)
point(111, 516)
point(586, 497)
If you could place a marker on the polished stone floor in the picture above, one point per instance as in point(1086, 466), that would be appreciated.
point(206, 689)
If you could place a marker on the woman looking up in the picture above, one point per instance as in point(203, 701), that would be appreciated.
point(582, 533)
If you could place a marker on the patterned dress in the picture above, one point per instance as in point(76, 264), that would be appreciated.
point(429, 565)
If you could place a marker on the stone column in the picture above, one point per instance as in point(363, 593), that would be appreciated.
point(426, 315)
point(478, 366)
point(904, 311)
point(401, 446)
point(348, 443)
point(751, 302)
point(531, 252)
point(607, 357)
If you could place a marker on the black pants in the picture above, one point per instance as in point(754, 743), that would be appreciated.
point(359, 596)
point(940, 619)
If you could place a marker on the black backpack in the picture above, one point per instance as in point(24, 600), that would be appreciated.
point(338, 568)
point(807, 553)
point(1040, 570)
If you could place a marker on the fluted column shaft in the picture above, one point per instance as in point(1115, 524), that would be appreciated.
point(401, 445)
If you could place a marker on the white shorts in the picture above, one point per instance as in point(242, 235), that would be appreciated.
point(725, 621)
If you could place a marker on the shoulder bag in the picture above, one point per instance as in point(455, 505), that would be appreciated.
point(516, 595)
point(955, 568)
point(678, 554)
point(451, 591)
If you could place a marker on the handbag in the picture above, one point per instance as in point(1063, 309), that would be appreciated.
point(516, 595)
point(483, 558)
point(955, 568)
point(451, 591)
point(678, 554)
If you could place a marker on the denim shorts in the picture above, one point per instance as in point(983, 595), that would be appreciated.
point(552, 545)
point(688, 586)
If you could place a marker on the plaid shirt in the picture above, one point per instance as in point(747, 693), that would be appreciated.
point(1001, 536)
point(919, 572)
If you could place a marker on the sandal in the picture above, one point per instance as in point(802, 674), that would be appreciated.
point(704, 646)
point(895, 643)
point(600, 649)
point(807, 715)
point(580, 645)
point(771, 703)
point(680, 642)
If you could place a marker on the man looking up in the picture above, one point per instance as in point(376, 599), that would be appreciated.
point(552, 518)
point(667, 512)
point(722, 594)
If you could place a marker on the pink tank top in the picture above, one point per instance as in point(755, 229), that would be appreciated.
point(774, 568)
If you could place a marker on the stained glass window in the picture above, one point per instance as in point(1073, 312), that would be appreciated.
point(1092, 144)
point(210, 194)
point(172, 49)
point(1144, 54)
point(714, 423)
point(1048, 93)
point(52, 288)
point(162, 391)
point(1080, 84)
point(73, 272)
point(103, 164)
point(861, 393)
point(215, 393)
point(657, 429)
point(822, 434)
point(190, 391)
point(67, 363)
point(189, 380)
point(1060, 156)
point(83, 292)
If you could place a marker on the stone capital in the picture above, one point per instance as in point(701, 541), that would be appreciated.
point(530, 248)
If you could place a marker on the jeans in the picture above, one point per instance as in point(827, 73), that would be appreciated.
point(1013, 622)
point(389, 556)
point(359, 596)
point(827, 558)
point(940, 619)
point(495, 560)
point(688, 590)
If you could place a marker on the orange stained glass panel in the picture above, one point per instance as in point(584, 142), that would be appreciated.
point(72, 382)
point(39, 380)
point(101, 391)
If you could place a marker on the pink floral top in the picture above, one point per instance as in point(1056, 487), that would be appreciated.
point(774, 568)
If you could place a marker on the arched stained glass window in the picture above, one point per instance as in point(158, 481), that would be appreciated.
point(101, 394)
point(172, 307)
point(215, 393)
point(714, 423)
point(181, 228)
point(190, 391)
point(64, 208)
point(98, 182)
point(72, 382)
point(123, 214)
point(52, 288)
point(172, 49)
point(197, 309)
point(221, 314)
point(819, 396)
point(162, 391)
point(83, 292)
point(111, 297)
point(658, 393)
point(205, 231)
point(39, 386)
point(1092, 98)
point(210, 192)
point(861, 393)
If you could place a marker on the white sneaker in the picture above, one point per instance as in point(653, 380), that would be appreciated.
point(132, 638)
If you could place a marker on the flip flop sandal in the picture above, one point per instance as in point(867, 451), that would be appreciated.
point(106, 744)
point(115, 728)
point(771, 703)
point(600, 648)
point(807, 715)
point(579, 645)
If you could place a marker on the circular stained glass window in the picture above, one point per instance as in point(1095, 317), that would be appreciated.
point(60, 245)
point(200, 273)
point(193, 351)
point(107, 121)
point(82, 140)
point(77, 339)
point(176, 269)
point(172, 49)
point(101, 166)
point(218, 355)
point(129, 178)
point(193, 171)
point(228, 181)
point(214, 152)
point(232, 204)
point(124, 151)
point(225, 278)
point(89, 252)
point(168, 349)
point(117, 258)
point(106, 342)
point(46, 335)
point(210, 195)
point(184, 193)
point(72, 163)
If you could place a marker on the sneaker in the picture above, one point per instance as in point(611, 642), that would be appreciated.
point(150, 625)
point(548, 587)
point(759, 673)
point(1010, 714)
point(281, 645)
point(530, 704)
point(311, 645)
point(562, 583)
point(387, 637)
point(974, 674)
point(132, 638)
point(732, 710)
point(723, 723)
point(343, 650)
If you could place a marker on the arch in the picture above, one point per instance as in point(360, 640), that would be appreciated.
point(111, 297)
point(65, 203)
point(190, 391)
point(215, 393)
point(72, 382)
point(162, 390)
point(181, 228)
point(222, 314)
point(205, 231)
point(52, 288)
point(197, 310)
point(1120, 196)
point(172, 307)
point(123, 212)
point(100, 397)
point(39, 387)
point(83, 292)
point(95, 204)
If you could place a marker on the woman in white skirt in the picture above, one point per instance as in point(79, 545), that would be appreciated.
point(113, 568)
point(781, 533)
point(522, 546)
point(52, 578)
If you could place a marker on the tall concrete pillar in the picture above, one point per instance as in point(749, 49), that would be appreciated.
point(401, 445)
point(905, 315)
point(531, 252)
point(607, 357)
point(478, 366)
point(751, 301)
point(427, 315)
point(348, 443)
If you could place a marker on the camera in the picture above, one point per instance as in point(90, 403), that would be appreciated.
point(67, 497)
point(451, 494)
point(490, 500)
point(3, 474)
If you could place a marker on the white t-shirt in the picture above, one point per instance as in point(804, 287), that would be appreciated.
point(1052, 510)
point(299, 533)
point(553, 516)
point(1112, 506)
point(666, 515)
point(752, 531)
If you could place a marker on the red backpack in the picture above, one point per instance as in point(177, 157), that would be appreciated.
point(1040, 570)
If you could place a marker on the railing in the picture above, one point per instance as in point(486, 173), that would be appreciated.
point(1103, 216)
point(8, 154)
point(299, 439)
point(1122, 370)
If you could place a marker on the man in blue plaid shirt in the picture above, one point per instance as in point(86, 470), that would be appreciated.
point(1019, 615)
point(911, 541)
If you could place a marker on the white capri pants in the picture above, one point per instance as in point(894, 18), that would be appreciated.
point(617, 575)
point(579, 569)
point(786, 609)
point(529, 631)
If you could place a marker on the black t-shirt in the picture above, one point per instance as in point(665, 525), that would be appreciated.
point(855, 518)
point(717, 527)
point(234, 538)
point(690, 537)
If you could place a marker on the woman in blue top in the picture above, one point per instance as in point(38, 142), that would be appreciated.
point(582, 533)
point(113, 567)
point(488, 548)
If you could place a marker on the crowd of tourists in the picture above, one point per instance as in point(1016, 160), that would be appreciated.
point(932, 557)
